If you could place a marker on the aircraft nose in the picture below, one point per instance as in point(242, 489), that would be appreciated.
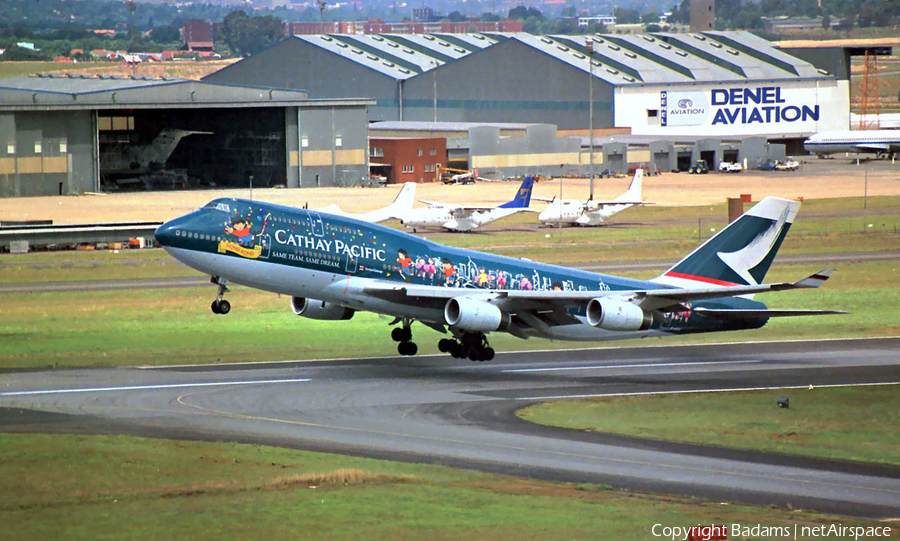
point(165, 234)
point(168, 233)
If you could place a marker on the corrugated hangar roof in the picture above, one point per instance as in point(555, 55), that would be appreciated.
point(61, 91)
point(401, 56)
point(617, 59)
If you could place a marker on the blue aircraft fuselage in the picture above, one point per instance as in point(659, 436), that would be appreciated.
point(312, 255)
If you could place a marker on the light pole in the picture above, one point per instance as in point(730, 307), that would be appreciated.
point(434, 86)
point(589, 45)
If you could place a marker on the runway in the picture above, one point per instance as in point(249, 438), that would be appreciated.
point(437, 409)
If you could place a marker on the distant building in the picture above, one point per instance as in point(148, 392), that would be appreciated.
point(198, 35)
point(703, 15)
point(608, 20)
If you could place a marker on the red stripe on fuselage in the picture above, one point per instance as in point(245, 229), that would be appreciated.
point(700, 279)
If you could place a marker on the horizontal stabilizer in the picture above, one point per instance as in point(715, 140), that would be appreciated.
point(816, 279)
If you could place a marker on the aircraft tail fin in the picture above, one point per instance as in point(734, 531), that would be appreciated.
point(741, 253)
point(635, 188)
point(523, 196)
point(405, 199)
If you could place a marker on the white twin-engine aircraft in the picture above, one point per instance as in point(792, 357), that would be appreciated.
point(334, 266)
point(591, 212)
point(466, 218)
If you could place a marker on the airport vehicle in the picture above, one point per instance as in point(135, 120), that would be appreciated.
point(768, 166)
point(590, 212)
point(730, 167)
point(466, 218)
point(699, 167)
point(332, 267)
point(787, 165)
point(402, 204)
point(878, 142)
point(648, 171)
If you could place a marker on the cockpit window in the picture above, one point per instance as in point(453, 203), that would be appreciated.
point(218, 205)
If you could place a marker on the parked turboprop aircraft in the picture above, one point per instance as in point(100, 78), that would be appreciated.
point(402, 204)
point(334, 266)
point(464, 218)
point(878, 142)
point(592, 212)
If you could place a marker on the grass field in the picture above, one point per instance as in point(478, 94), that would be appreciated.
point(120, 487)
point(175, 326)
point(843, 423)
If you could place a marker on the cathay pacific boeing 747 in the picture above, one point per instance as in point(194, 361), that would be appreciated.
point(333, 266)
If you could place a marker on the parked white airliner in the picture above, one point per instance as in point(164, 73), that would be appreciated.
point(402, 204)
point(592, 212)
point(878, 142)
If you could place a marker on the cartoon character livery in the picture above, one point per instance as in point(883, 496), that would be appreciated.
point(334, 266)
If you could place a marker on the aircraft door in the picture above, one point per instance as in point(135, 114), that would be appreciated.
point(316, 225)
point(352, 263)
point(265, 245)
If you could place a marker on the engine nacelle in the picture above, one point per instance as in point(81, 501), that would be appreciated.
point(474, 315)
point(316, 309)
point(614, 315)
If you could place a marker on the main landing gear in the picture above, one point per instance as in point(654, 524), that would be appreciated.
point(220, 305)
point(471, 345)
point(466, 345)
point(403, 335)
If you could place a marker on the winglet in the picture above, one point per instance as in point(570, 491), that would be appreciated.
point(816, 279)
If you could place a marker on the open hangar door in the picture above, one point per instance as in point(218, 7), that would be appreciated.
point(192, 148)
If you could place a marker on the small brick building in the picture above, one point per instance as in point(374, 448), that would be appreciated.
point(407, 160)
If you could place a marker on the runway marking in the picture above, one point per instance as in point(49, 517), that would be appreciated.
point(686, 391)
point(638, 365)
point(531, 450)
point(519, 352)
point(146, 387)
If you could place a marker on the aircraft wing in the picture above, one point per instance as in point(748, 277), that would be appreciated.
point(435, 203)
point(594, 204)
point(874, 147)
point(665, 299)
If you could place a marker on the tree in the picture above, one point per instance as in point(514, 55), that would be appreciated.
point(522, 13)
point(246, 36)
point(826, 22)
point(627, 16)
point(490, 17)
point(649, 17)
point(165, 34)
point(456, 17)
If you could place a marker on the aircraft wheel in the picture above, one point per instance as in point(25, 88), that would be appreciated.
point(224, 307)
point(402, 348)
point(444, 345)
point(215, 307)
point(411, 348)
point(474, 355)
point(397, 334)
point(401, 334)
point(456, 350)
point(488, 354)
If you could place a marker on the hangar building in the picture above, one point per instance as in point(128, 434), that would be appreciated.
point(62, 134)
point(701, 84)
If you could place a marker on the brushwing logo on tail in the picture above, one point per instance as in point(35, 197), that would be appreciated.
point(751, 255)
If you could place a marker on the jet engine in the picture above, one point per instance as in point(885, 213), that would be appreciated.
point(316, 309)
point(474, 315)
point(614, 315)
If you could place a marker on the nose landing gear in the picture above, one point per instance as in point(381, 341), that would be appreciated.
point(220, 306)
